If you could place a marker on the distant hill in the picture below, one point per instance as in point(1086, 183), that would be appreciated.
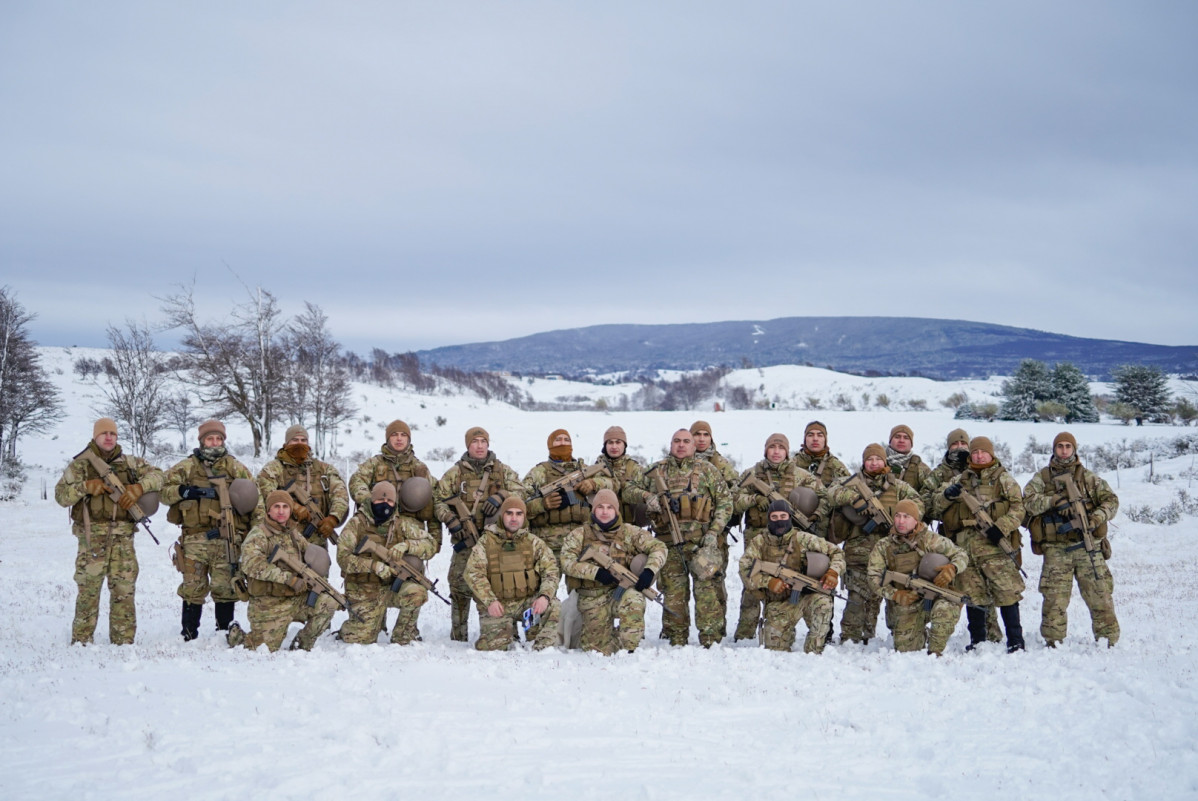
point(887, 345)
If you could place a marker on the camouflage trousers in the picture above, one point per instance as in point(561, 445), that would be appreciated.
point(460, 597)
point(911, 625)
point(675, 581)
point(599, 610)
point(859, 620)
point(371, 598)
point(102, 555)
point(782, 618)
point(270, 616)
point(495, 633)
point(751, 601)
point(204, 564)
point(1061, 569)
point(991, 578)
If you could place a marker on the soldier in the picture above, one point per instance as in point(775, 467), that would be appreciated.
point(551, 517)
point(697, 497)
point(627, 477)
point(511, 571)
point(278, 596)
point(1056, 529)
point(909, 541)
point(317, 489)
point(852, 522)
point(599, 603)
point(815, 458)
point(903, 462)
point(777, 473)
point(105, 528)
point(705, 449)
point(368, 580)
point(790, 547)
point(395, 462)
point(469, 493)
point(196, 489)
point(992, 578)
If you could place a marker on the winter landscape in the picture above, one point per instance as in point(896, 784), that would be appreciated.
point(438, 720)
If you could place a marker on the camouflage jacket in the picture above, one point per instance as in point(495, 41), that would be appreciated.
point(999, 495)
point(885, 487)
point(1042, 496)
point(204, 514)
point(401, 535)
point(628, 477)
point(914, 472)
point(720, 463)
point(540, 517)
point(542, 564)
point(702, 494)
point(621, 544)
point(902, 554)
point(464, 478)
point(789, 550)
point(255, 557)
point(388, 465)
point(827, 468)
point(934, 484)
point(322, 481)
point(101, 508)
point(782, 477)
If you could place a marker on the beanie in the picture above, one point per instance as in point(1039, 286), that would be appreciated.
point(104, 425)
point(383, 491)
point(477, 431)
point(212, 427)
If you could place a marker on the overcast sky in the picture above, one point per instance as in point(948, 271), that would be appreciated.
point(437, 173)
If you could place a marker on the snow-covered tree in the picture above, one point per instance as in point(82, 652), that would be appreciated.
point(1144, 388)
point(1030, 385)
point(1071, 389)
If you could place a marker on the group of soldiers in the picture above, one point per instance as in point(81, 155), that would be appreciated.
point(926, 541)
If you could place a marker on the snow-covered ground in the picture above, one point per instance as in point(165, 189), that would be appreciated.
point(438, 720)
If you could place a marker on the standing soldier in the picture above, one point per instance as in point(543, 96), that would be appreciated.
point(774, 473)
point(104, 526)
point(512, 572)
point(982, 509)
point(1063, 501)
point(790, 547)
point(555, 513)
point(903, 461)
point(910, 540)
point(278, 596)
point(628, 477)
point(863, 504)
point(395, 462)
point(601, 600)
point(368, 580)
point(816, 459)
point(200, 491)
point(320, 502)
point(694, 497)
point(470, 492)
point(705, 449)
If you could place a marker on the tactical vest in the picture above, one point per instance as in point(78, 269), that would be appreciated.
point(910, 473)
point(378, 535)
point(563, 515)
point(1043, 527)
point(781, 480)
point(773, 549)
point(302, 476)
point(958, 517)
point(901, 557)
point(843, 529)
point(397, 471)
point(694, 506)
point(821, 468)
point(615, 547)
point(621, 473)
point(512, 569)
point(204, 514)
point(258, 587)
point(470, 480)
point(101, 508)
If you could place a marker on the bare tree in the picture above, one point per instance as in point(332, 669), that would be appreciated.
point(316, 380)
point(135, 383)
point(29, 402)
point(181, 416)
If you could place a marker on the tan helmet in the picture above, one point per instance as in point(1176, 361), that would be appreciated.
point(414, 562)
point(148, 503)
point(853, 516)
point(317, 558)
point(415, 493)
point(705, 564)
point(243, 494)
point(638, 564)
point(930, 563)
point(817, 564)
point(805, 500)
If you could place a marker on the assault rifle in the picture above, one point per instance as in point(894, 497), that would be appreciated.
point(663, 495)
point(929, 590)
point(624, 576)
point(794, 579)
point(798, 518)
point(403, 570)
point(875, 513)
point(317, 584)
point(315, 515)
point(469, 534)
point(1077, 504)
point(985, 521)
point(567, 483)
point(116, 489)
point(227, 527)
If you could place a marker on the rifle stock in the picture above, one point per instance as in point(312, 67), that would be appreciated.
point(985, 521)
point(1078, 505)
point(400, 567)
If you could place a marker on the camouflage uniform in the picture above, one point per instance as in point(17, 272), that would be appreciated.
point(909, 468)
point(859, 621)
point(706, 502)
point(514, 570)
point(105, 533)
point(730, 475)
point(274, 605)
point(1065, 557)
point(826, 467)
point(597, 602)
point(754, 506)
point(396, 467)
point(321, 480)
point(463, 480)
point(552, 525)
point(627, 477)
point(371, 595)
point(902, 555)
point(781, 616)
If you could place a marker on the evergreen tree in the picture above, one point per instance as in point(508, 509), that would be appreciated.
point(1143, 388)
point(1071, 389)
point(1030, 385)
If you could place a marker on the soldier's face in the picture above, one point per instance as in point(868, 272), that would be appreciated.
point(1063, 450)
point(702, 440)
point(614, 448)
point(778, 516)
point(604, 512)
point(959, 445)
point(875, 464)
point(280, 512)
point(106, 440)
point(513, 519)
point(901, 442)
point(815, 440)
point(904, 523)
point(683, 445)
point(478, 447)
point(775, 453)
point(561, 439)
point(399, 441)
point(980, 457)
point(212, 440)
point(302, 439)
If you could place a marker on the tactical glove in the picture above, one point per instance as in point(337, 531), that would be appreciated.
point(298, 583)
point(652, 505)
point(952, 491)
point(491, 505)
point(586, 487)
point(383, 571)
point(830, 579)
point(300, 513)
point(399, 550)
point(644, 580)
point(994, 534)
point(553, 500)
point(906, 597)
point(327, 526)
point(603, 576)
point(190, 492)
point(132, 493)
point(95, 486)
point(777, 586)
point(945, 575)
point(761, 502)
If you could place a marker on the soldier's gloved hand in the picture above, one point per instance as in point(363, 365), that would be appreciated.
point(761, 502)
point(906, 597)
point(459, 546)
point(994, 534)
point(491, 505)
point(300, 513)
point(830, 579)
point(777, 586)
point(298, 583)
point(952, 491)
point(644, 579)
point(586, 487)
point(603, 576)
point(95, 486)
point(132, 493)
point(454, 526)
point(382, 571)
point(945, 575)
point(190, 492)
point(553, 500)
point(652, 505)
point(327, 527)
point(399, 550)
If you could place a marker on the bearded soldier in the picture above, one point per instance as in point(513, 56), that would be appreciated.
point(705, 449)
point(627, 477)
point(467, 495)
point(777, 473)
point(197, 489)
point(601, 600)
point(861, 504)
point(816, 459)
point(395, 462)
point(695, 496)
point(554, 514)
point(278, 596)
point(903, 461)
point(992, 578)
point(783, 544)
point(909, 541)
point(104, 527)
point(511, 571)
point(320, 502)
point(1057, 525)
point(368, 580)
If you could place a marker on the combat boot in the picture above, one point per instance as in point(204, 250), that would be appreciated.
point(976, 618)
point(1010, 622)
point(224, 615)
point(191, 621)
